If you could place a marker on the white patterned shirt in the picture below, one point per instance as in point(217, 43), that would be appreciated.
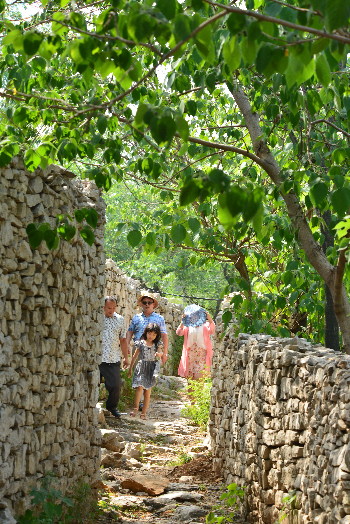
point(113, 330)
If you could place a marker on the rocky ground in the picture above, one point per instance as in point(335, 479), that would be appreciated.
point(157, 470)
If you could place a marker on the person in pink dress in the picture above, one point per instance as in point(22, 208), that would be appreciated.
point(196, 327)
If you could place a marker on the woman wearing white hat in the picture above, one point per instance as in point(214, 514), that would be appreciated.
point(196, 327)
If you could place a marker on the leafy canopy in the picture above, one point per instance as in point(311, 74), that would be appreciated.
point(147, 93)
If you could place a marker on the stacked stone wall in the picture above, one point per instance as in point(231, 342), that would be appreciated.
point(51, 315)
point(127, 290)
point(280, 424)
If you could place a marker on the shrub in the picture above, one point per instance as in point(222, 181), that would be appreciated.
point(199, 406)
point(51, 506)
point(232, 498)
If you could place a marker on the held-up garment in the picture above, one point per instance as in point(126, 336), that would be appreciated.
point(197, 351)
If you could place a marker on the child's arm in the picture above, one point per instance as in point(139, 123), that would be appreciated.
point(133, 360)
point(160, 350)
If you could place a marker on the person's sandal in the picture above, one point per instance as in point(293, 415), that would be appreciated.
point(143, 416)
point(133, 412)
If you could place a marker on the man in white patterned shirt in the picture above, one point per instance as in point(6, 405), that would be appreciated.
point(113, 344)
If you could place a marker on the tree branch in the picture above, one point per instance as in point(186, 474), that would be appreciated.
point(345, 133)
point(106, 37)
point(278, 21)
point(295, 211)
point(232, 149)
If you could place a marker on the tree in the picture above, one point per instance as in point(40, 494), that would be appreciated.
point(251, 125)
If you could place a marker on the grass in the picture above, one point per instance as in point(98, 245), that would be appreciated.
point(182, 458)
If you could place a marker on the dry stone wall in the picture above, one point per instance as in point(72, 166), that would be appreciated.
point(127, 290)
point(51, 316)
point(280, 423)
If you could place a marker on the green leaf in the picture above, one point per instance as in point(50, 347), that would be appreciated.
point(32, 159)
point(167, 7)
point(178, 233)
point(301, 67)
point(51, 238)
point(236, 22)
point(249, 50)
point(287, 277)
point(232, 53)
point(31, 42)
point(167, 220)
point(205, 44)
point(147, 165)
point(182, 127)
point(140, 114)
point(134, 237)
point(35, 236)
point(91, 217)
point(20, 115)
point(102, 124)
point(252, 204)
point(194, 224)
point(226, 316)
point(189, 193)
point(151, 239)
point(236, 300)
point(12, 37)
point(66, 231)
point(337, 14)
point(80, 214)
point(318, 193)
point(87, 234)
point(271, 59)
point(218, 180)
point(323, 71)
point(314, 101)
point(340, 155)
point(191, 107)
point(163, 129)
point(341, 201)
point(182, 27)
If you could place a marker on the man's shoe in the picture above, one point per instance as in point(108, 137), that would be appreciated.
point(114, 412)
point(141, 406)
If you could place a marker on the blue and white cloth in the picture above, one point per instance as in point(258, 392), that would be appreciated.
point(194, 316)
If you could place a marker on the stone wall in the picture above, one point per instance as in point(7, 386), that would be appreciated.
point(51, 314)
point(280, 422)
point(127, 290)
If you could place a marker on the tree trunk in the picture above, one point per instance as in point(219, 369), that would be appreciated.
point(331, 275)
point(331, 328)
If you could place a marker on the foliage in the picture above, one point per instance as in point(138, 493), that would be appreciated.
point(232, 499)
point(178, 273)
point(64, 229)
point(237, 118)
point(50, 506)
point(199, 406)
point(290, 504)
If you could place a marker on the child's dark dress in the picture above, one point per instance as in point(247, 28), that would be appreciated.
point(146, 365)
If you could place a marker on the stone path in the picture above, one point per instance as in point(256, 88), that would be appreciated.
point(157, 470)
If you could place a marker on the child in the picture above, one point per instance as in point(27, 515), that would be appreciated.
point(146, 354)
